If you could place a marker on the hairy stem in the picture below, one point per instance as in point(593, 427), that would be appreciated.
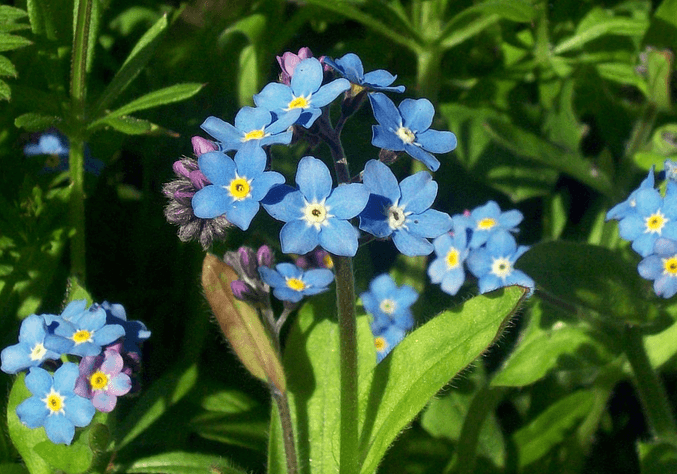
point(287, 430)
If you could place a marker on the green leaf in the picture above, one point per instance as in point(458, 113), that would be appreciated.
point(10, 42)
point(164, 96)
point(657, 457)
point(10, 14)
point(552, 426)
point(662, 31)
point(10, 468)
point(240, 324)
point(7, 68)
point(424, 362)
point(133, 65)
point(5, 91)
point(133, 126)
point(33, 122)
point(661, 347)
point(183, 463)
point(76, 291)
point(593, 277)
point(659, 66)
point(73, 459)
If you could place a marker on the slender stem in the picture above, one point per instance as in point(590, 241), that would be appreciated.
point(76, 158)
point(345, 299)
point(287, 430)
point(651, 392)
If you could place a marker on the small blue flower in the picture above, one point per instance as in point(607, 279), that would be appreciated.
point(30, 351)
point(387, 340)
point(661, 266)
point(237, 186)
point(407, 128)
point(451, 250)
point(493, 264)
point(315, 214)
point(402, 210)
point(54, 405)
point(135, 331)
point(388, 304)
point(291, 283)
point(350, 67)
point(56, 147)
point(484, 221)
point(304, 97)
point(653, 217)
point(251, 124)
point(627, 207)
point(670, 170)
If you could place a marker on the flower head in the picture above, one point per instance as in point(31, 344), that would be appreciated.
point(237, 185)
point(388, 304)
point(627, 207)
point(661, 267)
point(31, 350)
point(54, 404)
point(315, 214)
point(102, 380)
point(350, 67)
point(402, 210)
point(135, 331)
point(288, 62)
point(407, 128)
point(56, 147)
point(493, 264)
point(485, 221)
point(451, 250)
point(246, 262)
point(291, 283)
point(386, 340)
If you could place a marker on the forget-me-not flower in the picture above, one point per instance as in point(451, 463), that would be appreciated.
point(402, 210)
point(386, 340)
point(292, 283)
point(102, 380)
point(135, 331)
point(407, 128)
point(315, 214)
point(30, 351)
point(388, 304)
point(54, 405)
point(661, 267)
point(493, 264)
point(627, 207)
point(350, 67)
point(451, 250)
point(55, 146)
point(305, 93)
point(237, 185)
point(484, 221)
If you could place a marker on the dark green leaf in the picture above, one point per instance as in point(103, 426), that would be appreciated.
point(10, 42)
point(659, 72)
point(657, 458)
point(9, 14)
point(8, 468)
point(33, 122)
point(183, 463)
point(6, 67)
point(662, 31)
point(133, 126)
point(5, 91)
point(425, 361)
point(76, 291)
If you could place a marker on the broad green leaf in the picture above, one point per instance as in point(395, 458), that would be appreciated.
point(182, 463)
point(155, 401)
point(73, 459)
point(659, 73)
point(241, 324)
point(661, 347)
point(646, 159)
point(76, 291)
point(6, 67)
point(657, 457)
point(133, 65)
point(552, 426)
point(599, 22)
point(593, 277)
point(11, 468)
point(33, 122)
point(164, 96)
point(622, 73)
point(133, 126)
point(424, 362)
point(248, 75)
point(10, 42)
point(662, 31)
point(10, 14)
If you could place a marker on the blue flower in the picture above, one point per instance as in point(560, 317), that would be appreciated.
point(387, 340)
point(237, 186)
point(653, 217)
point(627, 207)
point(83, 333)
point(407, 128)
point(30, 351)
point(315, 214)
point(670, 169)
point(661, 266)
point(56, 147)
point(493, 264)
point(388, 304)
point(451, 251)
point(135, 331)
point(304, 97)
point(54, 405)
point(251, 124)
point(291, 283)
point(484, 221)
point(402, 210)
point(350, 67)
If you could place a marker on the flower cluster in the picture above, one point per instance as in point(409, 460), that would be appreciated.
point(109, 346)
point(649, 220)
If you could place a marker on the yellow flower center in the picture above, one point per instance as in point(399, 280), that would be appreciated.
point(254, 135)
point(298, 103)
point(396, 217)
point(670, 266)
point(452, 258)
point(655, 223)
point(486, 223)
point(355, 89)
point(501, 267)
point(380, 343)
point(406, 135)
point(296, 284)
point(327, 261)
point(82, 336)
point(98, 380)
point(54, 402)
point(239, 188)
point(388, 306)
point(38, 351)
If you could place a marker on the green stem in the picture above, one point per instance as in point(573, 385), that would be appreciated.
point(651, 392)
point(345, 299)
point(287, 430)
point(428, 77)
point(76, 159)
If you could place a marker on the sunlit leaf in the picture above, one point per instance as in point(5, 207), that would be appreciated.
point(179, 462)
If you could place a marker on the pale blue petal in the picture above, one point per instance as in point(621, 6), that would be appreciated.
point(283, 203)
point(429, 224)
point(16, 358)
point(453, 280)
point(347, 200)
point(274, 96)
point(271, 277)
point(38, 381)
point(242, 213)
point(211, 201)
point(307, 77)
point(313, 179)
point(339, 238)
point(411, 245)
point(382, 137)
point(436, 141)
point(222, 131)
point(261, 185)
point(252, 118)
point(423, 156)
point(289, 270)
point(385, 112)
point(59, 430)
point(381, 78)
point(217, 167)
point(418, 192)
point(437, 269)
point(329, 92)
point(65, 377)
point(298, 237)
point(351, 66)
point(308, 117)
point(79, 410)
point(318, 277)
point(489, 282)
point(644, 243)
point(250, 161)
point(32, 412)
point(108, 334)
point(379, 179)
point(417, 114)
point(665, 286)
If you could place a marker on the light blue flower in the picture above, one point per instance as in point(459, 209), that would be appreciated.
point(661, 267)
point(407, 128)
point(292, 283)
point(102, 379)
point(484, 221)
point(55, 146)
point(30, 351)
point(493, 264)
point(305, 94)
point(402, 210)
point(251, 124)
point(350, 67)
point(135, 331)
point(386, 340)
point(451, 250)
point(388, 304)
point(54, 405)
point(237, 186)
point(315, 214)
point(627, 207)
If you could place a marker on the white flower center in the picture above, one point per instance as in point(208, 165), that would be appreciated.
point(501, 267)
point(316, 214)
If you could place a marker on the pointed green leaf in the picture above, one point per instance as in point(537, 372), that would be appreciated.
point(659, 72)
point(657, 457)
point(76, 291)
point(10, 42)
point(133, 126)
point(424, 362)
point(9, 14)
point(33, 122)
point(6, 67)
point(5, 91)
point(663, 29)
point(182, 463)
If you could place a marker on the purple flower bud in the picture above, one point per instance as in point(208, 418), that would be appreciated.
point(183, 167)
point(202, 145)
point(198, 179)
point(264, 256)
point(241, 290)
point(248, 262)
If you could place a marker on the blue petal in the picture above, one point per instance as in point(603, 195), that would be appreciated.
point(442, 245)
point(283, 138)
point(250, 161)
point(108, 334)
point(59, 429)
point(32, 412)
point(274, 96)
point(38, 381)
point(329, 92)
point(271, 277)
point(73, 309)
point(283, 203)
point(307, 77)
point(381, 78)
point(339, 238)
point(501, 244)
point(648, 201)
point(518, 277)
point(222, 131)
point(283, 122)
point(453, 281)
point(383, 286)
point(308, 117)
point(79, 411)
point(411, 245)
point(489, 282)
point(379, 179)
point(373, 219)
point(382, 137)
point(479, 262)
point(665, 286)
point(298, 237)
point(289, 270)
point(423, 156)
point(318, 277)
point(65, 377)
point(32, 330)
point(351, 66)
point(644, 243)
point(665, 247)
point(429, 224)
point(252, 118)
point(218, 167)
point(347, 200)
point(436, 141)
point(417, 114)
point(211, 201)
point(16, 358)
point(313, 179)
point(242, 213)
point(284, 293)
point(630, 227)
point(385, 112)
point(405, 296)
point(418, 192)
point(437, 269)
point(262, 185)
